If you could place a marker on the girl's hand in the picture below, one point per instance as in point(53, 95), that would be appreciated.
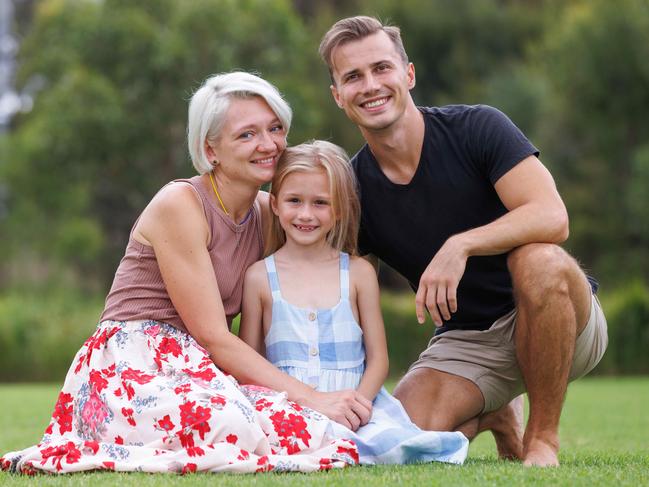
point(347, 407)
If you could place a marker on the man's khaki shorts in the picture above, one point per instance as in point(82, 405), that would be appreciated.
point(488, 358)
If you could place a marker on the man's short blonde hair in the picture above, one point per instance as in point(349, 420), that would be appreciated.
point(354, 29)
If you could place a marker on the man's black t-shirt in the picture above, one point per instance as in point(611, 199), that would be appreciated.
point(466, 150)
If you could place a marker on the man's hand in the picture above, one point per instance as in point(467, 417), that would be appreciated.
point(347, 407)
point(438, 284)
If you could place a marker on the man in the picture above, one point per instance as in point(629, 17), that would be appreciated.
point(456, 200)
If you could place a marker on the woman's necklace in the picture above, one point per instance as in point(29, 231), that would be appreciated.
point(217, 195)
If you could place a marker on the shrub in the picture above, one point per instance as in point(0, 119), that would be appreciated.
point(40, 334)
point(627, 313)
point(406, 337)
point(626, 310)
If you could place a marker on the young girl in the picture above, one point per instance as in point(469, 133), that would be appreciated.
point(313, 310)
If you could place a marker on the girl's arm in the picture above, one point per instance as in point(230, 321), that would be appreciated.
point(251, 329)
point(174, 224)
point(363, 277)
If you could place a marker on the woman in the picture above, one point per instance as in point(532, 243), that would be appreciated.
point(148, 391)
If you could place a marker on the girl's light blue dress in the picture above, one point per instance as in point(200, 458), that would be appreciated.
point(324, 348)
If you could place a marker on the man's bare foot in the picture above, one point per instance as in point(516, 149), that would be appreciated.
point(541, 454)
point(506, 424)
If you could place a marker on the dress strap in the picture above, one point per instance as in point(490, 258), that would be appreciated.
point(344, 275)
point(273, 280)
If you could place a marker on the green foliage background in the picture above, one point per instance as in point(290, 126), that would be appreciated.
point(108, 130)
point(40, 333)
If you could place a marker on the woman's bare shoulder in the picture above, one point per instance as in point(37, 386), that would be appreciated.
point(176, 206)
point(177, 196)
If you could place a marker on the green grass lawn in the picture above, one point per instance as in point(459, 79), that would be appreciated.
point(604, 438)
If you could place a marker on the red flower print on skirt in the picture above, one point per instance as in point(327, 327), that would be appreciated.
point(291, 429)
point(62, 415)
point(197, 419)
point(94, 412)
point(144, 396)
point(57, 454)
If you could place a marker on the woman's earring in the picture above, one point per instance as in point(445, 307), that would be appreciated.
point(215, 162)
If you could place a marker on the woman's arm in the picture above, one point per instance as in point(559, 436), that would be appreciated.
point(363, 277)
point(174, 224)
point(251, 329)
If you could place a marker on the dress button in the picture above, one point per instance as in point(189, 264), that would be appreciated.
point(314, 351)
point(312, 316)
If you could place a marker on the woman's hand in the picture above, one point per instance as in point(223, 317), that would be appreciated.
point(347, 407)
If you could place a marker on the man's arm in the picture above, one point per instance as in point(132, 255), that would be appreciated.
point(536, 214)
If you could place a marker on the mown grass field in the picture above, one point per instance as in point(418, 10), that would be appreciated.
point(604, 435)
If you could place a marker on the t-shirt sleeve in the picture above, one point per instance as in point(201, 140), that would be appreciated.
point(496, 142)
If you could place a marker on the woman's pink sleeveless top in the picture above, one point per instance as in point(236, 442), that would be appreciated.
point(138, 291)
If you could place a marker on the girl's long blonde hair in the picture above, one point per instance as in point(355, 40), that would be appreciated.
point(313, 156)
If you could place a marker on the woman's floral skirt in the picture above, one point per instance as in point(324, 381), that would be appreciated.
point(144, 396)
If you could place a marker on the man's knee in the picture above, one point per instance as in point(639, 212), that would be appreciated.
point(545, 275)
point(542, 271)
point(416, 391)
point(438, 401)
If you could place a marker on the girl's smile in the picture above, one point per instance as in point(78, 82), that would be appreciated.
point(304, 207)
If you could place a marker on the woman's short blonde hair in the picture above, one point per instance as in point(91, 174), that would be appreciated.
point(313, 156)
point(210, 103)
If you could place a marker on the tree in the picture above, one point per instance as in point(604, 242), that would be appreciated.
point(597, 130)
point(109, 129)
